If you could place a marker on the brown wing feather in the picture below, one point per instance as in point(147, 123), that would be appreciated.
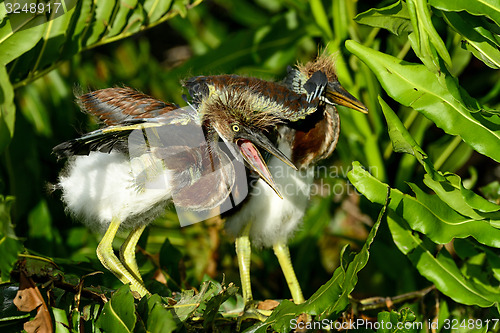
point(115, 106)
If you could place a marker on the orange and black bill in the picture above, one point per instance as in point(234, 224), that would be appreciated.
point(336, 94)
point(247, 143)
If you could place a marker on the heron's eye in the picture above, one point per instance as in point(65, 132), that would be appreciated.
point(235, 128)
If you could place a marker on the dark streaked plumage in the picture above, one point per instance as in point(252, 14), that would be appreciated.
point(260, 96)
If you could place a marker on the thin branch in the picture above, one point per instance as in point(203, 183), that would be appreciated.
point(386, 302)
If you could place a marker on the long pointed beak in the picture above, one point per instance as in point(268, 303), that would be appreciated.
point(256, 162)
point(263, 142)
point(336, 94)
point(246, 142)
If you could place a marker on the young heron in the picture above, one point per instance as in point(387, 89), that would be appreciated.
point(151, 153)
point(110, 185)
point(308, 136)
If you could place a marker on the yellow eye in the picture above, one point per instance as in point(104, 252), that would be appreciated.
point(236, 128)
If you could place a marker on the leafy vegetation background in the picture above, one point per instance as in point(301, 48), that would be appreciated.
point(428, 72)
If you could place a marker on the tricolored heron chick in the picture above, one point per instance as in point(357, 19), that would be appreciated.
point(150, 153)
point(308, 136)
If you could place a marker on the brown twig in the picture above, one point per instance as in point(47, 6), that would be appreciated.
point(372, 303)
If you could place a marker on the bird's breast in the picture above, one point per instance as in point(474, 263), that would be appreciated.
point(273, 219)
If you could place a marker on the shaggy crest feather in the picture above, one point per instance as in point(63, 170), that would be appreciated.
point(324, 62)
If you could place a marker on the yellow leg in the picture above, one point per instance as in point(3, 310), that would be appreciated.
point(127, 252)
point(244, 252)
point(283, 254)
point(110, 261)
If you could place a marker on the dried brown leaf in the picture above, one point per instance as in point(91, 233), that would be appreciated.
point(29, 298)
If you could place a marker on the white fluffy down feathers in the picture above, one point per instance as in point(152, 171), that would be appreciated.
point(274, 219)
point(102, 186)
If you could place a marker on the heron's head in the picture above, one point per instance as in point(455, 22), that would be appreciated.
point(238, 118)
point(334, 93)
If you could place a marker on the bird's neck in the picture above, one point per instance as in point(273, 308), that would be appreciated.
point(314, 138)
